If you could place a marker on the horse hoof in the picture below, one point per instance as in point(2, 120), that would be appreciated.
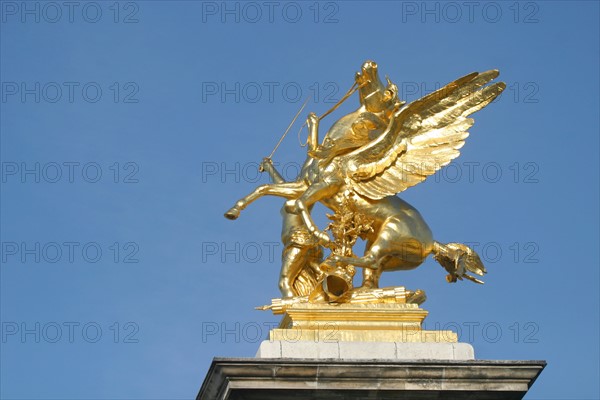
point(233, 213)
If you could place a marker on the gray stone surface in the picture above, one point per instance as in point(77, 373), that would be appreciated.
point(365, 350)
point(328, 379)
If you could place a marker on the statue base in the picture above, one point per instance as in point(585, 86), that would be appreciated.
point(372, 315)
point(348, 322)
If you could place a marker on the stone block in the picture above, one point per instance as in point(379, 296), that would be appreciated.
point(365, 350)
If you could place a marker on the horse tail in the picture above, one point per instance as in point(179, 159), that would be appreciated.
point(458, 259)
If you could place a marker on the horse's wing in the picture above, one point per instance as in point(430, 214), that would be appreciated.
point(420, 139)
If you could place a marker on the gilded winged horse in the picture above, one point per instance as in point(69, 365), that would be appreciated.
point(302, 253)
point(372, 164)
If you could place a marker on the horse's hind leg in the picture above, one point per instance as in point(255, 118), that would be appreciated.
point(403, 254)
point(372, 271)
point(289, 190)
point(371, 278)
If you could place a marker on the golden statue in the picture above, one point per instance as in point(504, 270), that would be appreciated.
point(364, 160)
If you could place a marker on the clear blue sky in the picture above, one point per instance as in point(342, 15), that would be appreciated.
point(129, 128)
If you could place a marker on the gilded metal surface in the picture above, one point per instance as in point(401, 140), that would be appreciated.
point(375, 322)
point(390, 295)
point(364, 160)
point(405, 335)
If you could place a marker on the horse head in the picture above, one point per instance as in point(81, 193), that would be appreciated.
point(377, 104)
point(374, 95)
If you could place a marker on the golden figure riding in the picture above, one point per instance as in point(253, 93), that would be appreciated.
point(364, 160)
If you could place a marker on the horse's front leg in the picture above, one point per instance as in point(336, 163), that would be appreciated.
point(288, 190)
point(315, 193)
point(267, 165)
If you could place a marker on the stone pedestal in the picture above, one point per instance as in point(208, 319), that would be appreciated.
point(328, 379)
point(371, 347)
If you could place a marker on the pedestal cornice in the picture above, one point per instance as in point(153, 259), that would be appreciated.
point(281, 379)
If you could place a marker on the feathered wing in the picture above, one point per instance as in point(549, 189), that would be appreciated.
point(421, 138)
